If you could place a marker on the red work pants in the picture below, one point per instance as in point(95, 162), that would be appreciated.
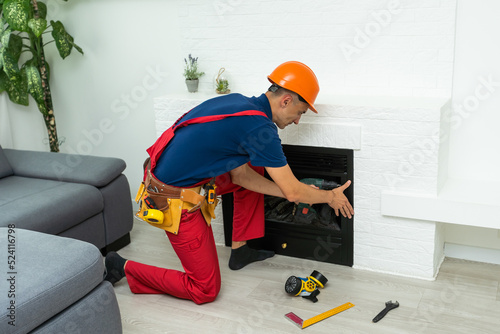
point(195, 247)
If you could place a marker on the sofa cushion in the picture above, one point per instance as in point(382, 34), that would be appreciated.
point(96, 171)
point(5, 168)
point(45, 205)
point(50, 273)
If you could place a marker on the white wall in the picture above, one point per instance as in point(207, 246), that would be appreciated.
point(5, 128)
point(383, 47)
point(474, 141)
point(475, 137)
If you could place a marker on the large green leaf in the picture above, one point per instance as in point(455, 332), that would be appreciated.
point(9, 53)
point(17, 89)
point(10, 66)
point(38, 26)
point(15, 46)
point(35, 88)
point(4, 38)
point(3, 81)
point(42, 10)
point(34, 62)
point(64, 41)
point(34, 82)
point(2, 25)
point(4, 42)
point(17, 13)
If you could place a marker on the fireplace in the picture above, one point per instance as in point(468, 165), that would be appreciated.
point(300, 231)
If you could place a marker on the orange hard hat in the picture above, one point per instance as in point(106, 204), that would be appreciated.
point(298, 78)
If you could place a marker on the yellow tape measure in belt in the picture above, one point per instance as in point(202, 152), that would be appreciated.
point(305, 323)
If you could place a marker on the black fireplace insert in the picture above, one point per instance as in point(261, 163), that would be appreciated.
point(303, 231)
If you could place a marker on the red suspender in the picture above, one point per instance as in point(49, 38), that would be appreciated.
point(157, 148)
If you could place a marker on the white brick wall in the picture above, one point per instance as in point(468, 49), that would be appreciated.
point(382, 47)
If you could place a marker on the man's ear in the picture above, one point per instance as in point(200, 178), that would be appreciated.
point(286, 100)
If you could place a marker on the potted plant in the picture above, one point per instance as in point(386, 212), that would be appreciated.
point(222, 83)
point(192, 74)
point(223, 86)
point(22, 23)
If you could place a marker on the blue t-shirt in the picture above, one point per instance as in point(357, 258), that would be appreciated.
point(201, 151)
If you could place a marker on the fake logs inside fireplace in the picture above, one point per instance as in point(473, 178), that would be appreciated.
point(299, 230)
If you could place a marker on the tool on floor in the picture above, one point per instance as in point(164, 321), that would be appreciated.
point(388, 306)
point(305, 323)
point(306, 287)
point(305, 213)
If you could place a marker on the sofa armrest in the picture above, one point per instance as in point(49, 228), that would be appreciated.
point(92, 170)
point(5, 168)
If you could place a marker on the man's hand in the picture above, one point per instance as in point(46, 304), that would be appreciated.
point(340, 203)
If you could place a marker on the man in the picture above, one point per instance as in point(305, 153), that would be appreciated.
point(224, 144)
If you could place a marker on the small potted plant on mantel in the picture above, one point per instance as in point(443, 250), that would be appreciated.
point(222, 83)
point(192, 74)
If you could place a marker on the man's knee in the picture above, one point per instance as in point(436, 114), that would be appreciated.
point(209, 296)
point(206, 290)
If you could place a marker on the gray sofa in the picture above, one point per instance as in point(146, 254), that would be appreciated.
point(52, 284)
point(82, 197)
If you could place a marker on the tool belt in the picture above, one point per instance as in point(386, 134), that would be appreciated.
point(161, 205)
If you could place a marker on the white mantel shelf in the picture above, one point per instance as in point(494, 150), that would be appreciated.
point(463, 202)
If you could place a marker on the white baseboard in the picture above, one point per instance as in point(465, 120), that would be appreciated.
point(471, 253)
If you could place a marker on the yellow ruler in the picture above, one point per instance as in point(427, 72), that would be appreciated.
point(305, 323)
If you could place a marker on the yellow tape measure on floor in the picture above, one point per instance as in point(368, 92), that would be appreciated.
point(305, 323)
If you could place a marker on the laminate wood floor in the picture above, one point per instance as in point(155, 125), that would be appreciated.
point(465, 298)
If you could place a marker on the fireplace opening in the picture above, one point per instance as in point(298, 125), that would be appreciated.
point(303, 231)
